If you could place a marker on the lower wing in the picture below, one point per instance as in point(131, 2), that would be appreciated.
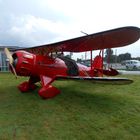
point(103, 80)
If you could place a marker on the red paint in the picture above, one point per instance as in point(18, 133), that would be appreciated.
point(46, 69)
point(26, 86)
point(47, 92)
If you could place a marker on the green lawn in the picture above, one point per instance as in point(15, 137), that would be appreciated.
point(83, 111)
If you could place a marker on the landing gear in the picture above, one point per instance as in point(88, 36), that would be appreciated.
point(29, 85)
point(26, 86)
point(48, 91)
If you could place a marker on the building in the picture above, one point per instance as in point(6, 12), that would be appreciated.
point(3, 60)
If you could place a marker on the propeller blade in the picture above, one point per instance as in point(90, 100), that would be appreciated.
point(9, 56)
point(14, 71)
point(11, 60)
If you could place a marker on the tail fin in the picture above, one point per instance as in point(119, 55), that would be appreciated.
point(97, 65)
point(97, 62)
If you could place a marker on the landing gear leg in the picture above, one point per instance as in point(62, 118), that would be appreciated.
point(28, 85)
point(47, 91)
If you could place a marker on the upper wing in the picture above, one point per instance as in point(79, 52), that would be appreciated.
point(108, 39)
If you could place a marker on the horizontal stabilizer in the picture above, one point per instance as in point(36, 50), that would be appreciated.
point(103, 80)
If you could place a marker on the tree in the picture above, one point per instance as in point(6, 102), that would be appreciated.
point(109, 51)
point(123, 57)
point(109, 57)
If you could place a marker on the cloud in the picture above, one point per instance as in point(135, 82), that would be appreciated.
point(29, 23)
point(35, 22)
point(29, 30)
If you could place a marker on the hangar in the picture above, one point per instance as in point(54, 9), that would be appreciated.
point(4, 67)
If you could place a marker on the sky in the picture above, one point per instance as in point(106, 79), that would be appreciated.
point(29, 23)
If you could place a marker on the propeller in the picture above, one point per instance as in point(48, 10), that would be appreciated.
point(11, 60)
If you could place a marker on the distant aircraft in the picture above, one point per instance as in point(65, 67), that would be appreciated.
point(47, 63)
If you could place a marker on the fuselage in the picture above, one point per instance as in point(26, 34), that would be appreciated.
point(28, 64)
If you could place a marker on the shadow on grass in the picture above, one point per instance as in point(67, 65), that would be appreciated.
point(81, 110)
point(89, 100)
point(74, 98)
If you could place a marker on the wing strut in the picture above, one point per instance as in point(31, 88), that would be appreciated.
point(91, 59)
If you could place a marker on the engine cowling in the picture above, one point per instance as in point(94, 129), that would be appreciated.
point(23, 63)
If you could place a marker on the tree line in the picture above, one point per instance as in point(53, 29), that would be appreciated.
point(113, 58)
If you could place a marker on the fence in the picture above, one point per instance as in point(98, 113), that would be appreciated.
point(4, 68)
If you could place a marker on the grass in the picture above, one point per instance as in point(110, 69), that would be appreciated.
point(83, 111)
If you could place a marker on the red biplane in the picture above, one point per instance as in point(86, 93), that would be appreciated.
point(47, 63)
